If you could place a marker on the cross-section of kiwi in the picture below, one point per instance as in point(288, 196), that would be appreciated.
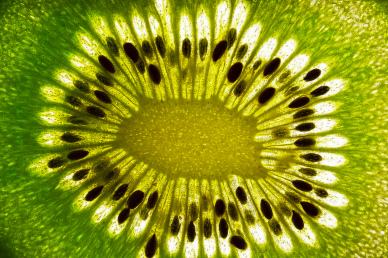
point(193, 128)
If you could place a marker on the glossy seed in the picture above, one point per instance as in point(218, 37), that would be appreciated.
point(160, 46)
point(103, 79)
point(302, 185)
point(321, 90)
point(308, 171)
point(191, 231)
point(135, 199)
point(297, 220)
point(203, 48)
point(151, 246)
point(321, 192)
point(152, 199)
point(312, 157)
point(186, 47)
point(80, 174)
point(305, 127)
point(266, 209)
point(147, 48)
point(207, 228)
point(239, 89)
point(304, 142)
point(123, 216)
point(238, 242)
point(140, 66)
point(56, 162)
point(299, 102)
point(96, 111)
point(110, 42)
point(242, 51)
point(193, 211)
point(154, 73)
point(234, 72)
point(271, 67)
point(220, 207)
point(120, 192)
point(275, 227)
point(303, 113)
point(223, 228)
point(70, 137)
point(241, 195)
point(82, 86)
point(94, 193)
point(175, 226)
point(266, 95)
point(310, 209)
point(106, 63)
point(219, 50)
point(74, 101)
point(232, 210)
point(131, 51)
point(77, 154)
point(232, 34)
point(312, 75)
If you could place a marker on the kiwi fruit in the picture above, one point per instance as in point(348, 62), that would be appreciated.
point(170, 128)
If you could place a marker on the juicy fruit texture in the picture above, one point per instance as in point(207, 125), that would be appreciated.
point(203, 131)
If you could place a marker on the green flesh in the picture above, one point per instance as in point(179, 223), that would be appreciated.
point(194, 143)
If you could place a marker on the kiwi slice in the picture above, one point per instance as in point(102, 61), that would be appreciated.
point(193, 128)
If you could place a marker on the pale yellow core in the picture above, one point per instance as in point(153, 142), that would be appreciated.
point(192, 139)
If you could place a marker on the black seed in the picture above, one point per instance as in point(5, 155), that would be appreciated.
point(303, 113)
point(135, 199)
point(313, 157)
point(304, 142)
point(235, 72)
point(223, 228)
point(147, 48)
point(219, 50)
point(76, 120)
point(310, 209)
point(312, 75)
point(74, 101)
point(80, 174)
point(152, 199)
point(96, 111)
point(151, 246)
point(110, 42)
point(193, 211)
point(186, 47)
point(266, 209)
point(154, 73)
point(238, 242)
point(160, 46)
point(191, 231)
point(280, 132)
point(266, 95)
point(140, 66)
point(308, 171)
point(302, 185)
point(241, 195)
point(123, 216)
point(271, 67)
point(131, 51)
point(239, 88)
point(202, 48)
point(175, 226)
point(297, 220)
point(321, 90)
point(232, 34)
point(106, 63)
point(321, 192)
point(232, 210)
point(305, 127)
point(56, 162)
point(94, 193)
point(103, 79)
point(242, 51)
point(144, 214)
point(70, 137)
point(299, 102)
point(256, 64)
point(102, 96)
point(120, 191)
point(275, 227)
point(82, 86)
point(207, 228)
point(77, 154)
point(220, 207)
point(249, 217)
point(293, 197)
